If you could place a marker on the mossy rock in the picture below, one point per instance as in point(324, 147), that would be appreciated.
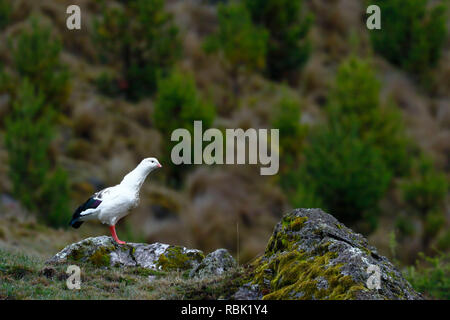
point(91, 250)
point(104, 252)
point(100, 258)
point(214, 264)
point(310, 255)
point(179, 258)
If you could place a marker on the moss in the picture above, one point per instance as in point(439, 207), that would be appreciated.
point(293, 223)
point(366, 250)
point(281, 242)
point(87, 243)
point(175, 259)
point(295, 275)
point(185, 274)
point(77, 254)
point(100, 258)
point(322, 248)
point(298, 223)
point(270, 245)
point(196, 256)
point(22, 277)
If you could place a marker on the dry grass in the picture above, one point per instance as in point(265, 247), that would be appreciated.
point(25, 276)
point(105, 137)
point(25, 246)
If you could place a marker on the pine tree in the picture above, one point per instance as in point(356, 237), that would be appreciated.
point(141, 37)
point(28, 136)
point(412, 35)
point(36, 56)
point(288, 26)
point(241, 44)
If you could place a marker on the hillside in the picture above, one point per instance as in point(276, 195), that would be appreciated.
point(362, 136)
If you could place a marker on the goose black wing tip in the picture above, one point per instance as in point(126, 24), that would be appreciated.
point(75, 224)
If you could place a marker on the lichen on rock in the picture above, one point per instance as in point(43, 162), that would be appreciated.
point(179, 258)
point(216, 263)
point(312, 256)
point(103, 252)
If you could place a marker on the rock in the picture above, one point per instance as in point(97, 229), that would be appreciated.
point(103, 251)
point(214, 264)
point(312, 256)
point(248, 292)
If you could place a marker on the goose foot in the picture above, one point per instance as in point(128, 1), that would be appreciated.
point(114, 235)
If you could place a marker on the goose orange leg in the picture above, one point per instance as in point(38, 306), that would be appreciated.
point(114, 235)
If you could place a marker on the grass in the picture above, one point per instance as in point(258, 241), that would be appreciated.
point(25, 276)
point(25, 246)
point(431, 276)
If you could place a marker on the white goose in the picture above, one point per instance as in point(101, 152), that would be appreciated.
point(112, 204)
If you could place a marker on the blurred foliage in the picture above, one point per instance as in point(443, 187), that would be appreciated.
point(348, 174)
point(6, 84)
point(431, 275)
point(141, 37)
point(35, 55)
point(355, 92)
point(286, 117)
point(38, 88)
point(304, 195)
point(56, 198)
point(351, 161)
point(5, 13)
point(404, 225)
point(427, 188)
point(387, 132)
point(443, 242)
point(344, 166)
point(28, 136)
point(178, 95)
point(425, 193)
point(288, 47)
point(242, 44)
point(354, 101)
point(107, 84)
point(412, 34)
point(393, 245)
point(178, 105)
